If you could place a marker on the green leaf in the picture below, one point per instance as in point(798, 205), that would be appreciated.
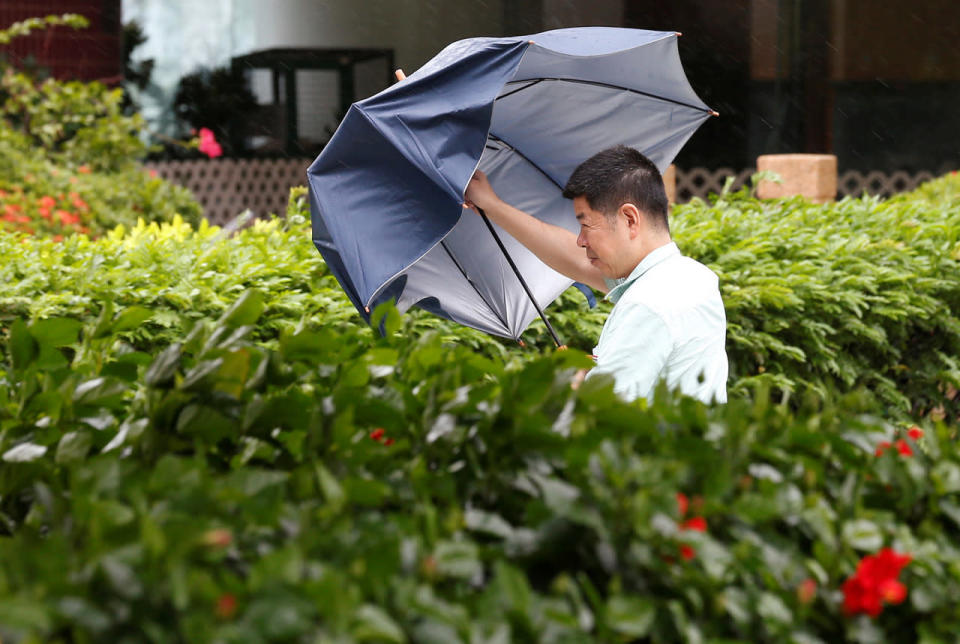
point(73, 446)
point(23, 347)
point(862, 534)
point(371, 623)
point(630, 616)
point(457, 559)
point(332, 491)
point(98, 391)
point(130, 318)
point(246, 310)
point(24, 453)
point(56, 332)
point(164, 367)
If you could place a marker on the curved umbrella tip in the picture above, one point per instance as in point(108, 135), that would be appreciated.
point(400, 75)
point(714, 113)
point(678, 34)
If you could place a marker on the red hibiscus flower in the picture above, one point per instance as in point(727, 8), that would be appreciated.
point(875, 582)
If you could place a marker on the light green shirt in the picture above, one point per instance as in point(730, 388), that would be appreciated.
point(668, 323)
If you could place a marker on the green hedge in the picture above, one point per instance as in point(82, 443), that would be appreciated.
point(199, 441)
point(859, 295)
point(342, 487)
point(862, 293)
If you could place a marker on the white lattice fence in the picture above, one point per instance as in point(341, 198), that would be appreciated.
point(228, 187)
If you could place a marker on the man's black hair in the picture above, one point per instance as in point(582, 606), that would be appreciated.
point(620, 175)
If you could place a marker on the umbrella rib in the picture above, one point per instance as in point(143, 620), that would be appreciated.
point(607, 85)
point(471, 283)
point(519, 89)
point(523, 282)
point(525, 158)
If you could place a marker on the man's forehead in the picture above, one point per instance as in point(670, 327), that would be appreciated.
point(582, 209)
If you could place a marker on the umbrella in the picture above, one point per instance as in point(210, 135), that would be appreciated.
point(387, 190)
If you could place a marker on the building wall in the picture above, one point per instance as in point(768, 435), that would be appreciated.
point(88, 54)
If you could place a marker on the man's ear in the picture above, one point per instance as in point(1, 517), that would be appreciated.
point(633, 218)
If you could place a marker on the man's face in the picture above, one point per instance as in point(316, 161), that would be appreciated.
point(602, 237)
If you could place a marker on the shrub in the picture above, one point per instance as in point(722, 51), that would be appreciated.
point(66, 143)
point(861, 293)
point(342, 486)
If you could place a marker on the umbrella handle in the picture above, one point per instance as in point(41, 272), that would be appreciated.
point(523, 283)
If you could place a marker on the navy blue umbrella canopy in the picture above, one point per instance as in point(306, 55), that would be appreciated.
point(387, 190)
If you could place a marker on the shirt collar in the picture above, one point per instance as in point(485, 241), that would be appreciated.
point(619, 286)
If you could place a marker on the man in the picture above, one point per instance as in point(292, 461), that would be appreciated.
point(668, 320)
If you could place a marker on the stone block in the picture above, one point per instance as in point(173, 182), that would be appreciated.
point(670, 183)
point(813, 176)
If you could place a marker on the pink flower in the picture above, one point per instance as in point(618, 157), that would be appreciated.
point(208, 144)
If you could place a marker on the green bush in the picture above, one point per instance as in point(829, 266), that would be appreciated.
point(70, 159)
point(861, 293)
point(200, 441)
point(344, 487)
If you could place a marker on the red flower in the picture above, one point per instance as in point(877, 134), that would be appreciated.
point(377, 434)
point(67, 218)
point(882, 447)
point(47, 202)
point(697, 524)
point(44, 212)
point(388, 442)
point(874, 582)
point(682, 504)
point(84, 169)
point(915, 433)
point(807, 591)
point(904, 448)
point(687, 552)
point(226, 606)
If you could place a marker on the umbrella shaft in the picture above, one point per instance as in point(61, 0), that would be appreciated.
point(516, 271)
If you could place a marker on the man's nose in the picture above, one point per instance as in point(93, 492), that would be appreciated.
point(581, 242)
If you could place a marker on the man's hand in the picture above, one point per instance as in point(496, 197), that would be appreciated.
point(480, 193)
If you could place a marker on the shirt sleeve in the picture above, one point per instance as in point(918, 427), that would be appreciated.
point(634, 350)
